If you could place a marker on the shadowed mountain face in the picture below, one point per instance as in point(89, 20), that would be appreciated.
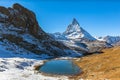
point(20, 33)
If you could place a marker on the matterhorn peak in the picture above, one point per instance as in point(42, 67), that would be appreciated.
point(73, 27)
point(75, 22)
point(75, 31)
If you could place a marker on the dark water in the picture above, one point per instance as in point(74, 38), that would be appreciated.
point(60, 67)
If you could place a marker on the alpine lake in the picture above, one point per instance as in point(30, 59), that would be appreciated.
point(60, 67)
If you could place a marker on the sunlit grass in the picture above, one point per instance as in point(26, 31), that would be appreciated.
point(101, 66)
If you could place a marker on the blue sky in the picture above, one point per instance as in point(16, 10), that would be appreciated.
point(98, 17)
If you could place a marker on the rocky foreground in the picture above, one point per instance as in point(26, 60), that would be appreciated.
point(103, 66)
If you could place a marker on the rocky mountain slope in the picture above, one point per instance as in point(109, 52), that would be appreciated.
point(21, 33)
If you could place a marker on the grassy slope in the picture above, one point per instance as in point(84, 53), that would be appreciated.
point(101, 66)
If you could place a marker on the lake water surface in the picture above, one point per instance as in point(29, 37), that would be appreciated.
point(60, 67)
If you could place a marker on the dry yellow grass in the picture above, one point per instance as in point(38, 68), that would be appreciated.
point(105, 66)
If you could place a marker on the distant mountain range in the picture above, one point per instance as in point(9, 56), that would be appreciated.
point(113, 40)
point(20, 33)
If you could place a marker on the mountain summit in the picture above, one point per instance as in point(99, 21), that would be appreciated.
point(75, 31)
point(75, 22)
point(74, 27)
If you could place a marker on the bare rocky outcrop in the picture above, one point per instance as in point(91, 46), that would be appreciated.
point(22, 17)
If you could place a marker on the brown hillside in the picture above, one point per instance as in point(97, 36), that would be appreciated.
point(105, 66)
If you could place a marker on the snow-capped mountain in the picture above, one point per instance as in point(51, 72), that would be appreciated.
point(78, 39)
point(75, 31)
point(100, 38)
point(113, 40)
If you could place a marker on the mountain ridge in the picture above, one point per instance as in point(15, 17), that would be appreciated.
point(19, 28)
point(113, 40)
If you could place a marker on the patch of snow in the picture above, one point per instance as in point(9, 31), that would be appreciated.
point(3, 15)
point(21, 67)
point(73, 28)
point(13, 48)
point(13, 11)
point(6, 30)
point(58, 36)
point(71, 43)
point(100, 38)
point(29, 38)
